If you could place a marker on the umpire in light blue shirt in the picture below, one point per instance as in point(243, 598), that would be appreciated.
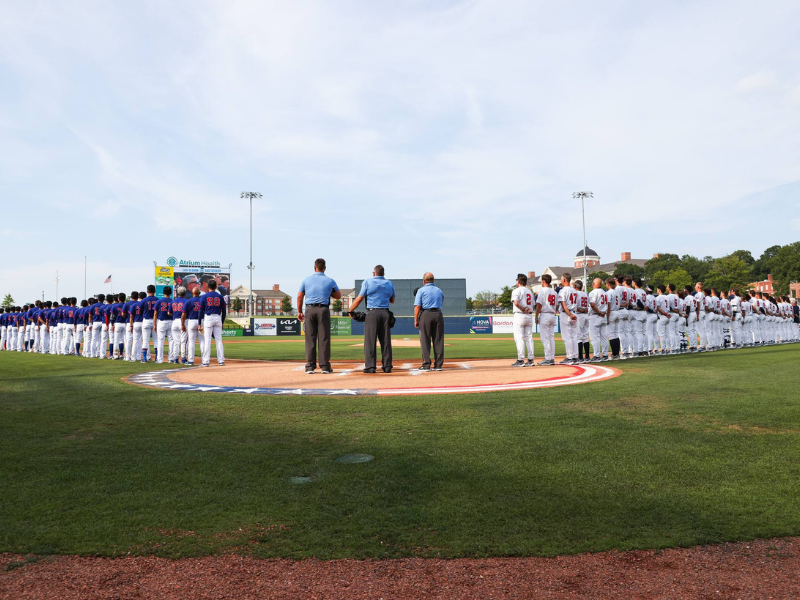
point(428, 318)
point(379, 294)
point(317, 291)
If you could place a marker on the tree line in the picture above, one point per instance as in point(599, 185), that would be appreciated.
point(735, 270)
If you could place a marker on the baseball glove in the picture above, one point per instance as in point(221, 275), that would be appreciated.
point(358, 316)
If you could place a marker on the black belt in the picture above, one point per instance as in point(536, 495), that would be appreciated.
point(432, 309)
point(319, 305)
point(377, 309)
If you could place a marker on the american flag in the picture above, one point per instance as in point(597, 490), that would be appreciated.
point(108, 279)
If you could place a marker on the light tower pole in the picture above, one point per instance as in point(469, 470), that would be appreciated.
point(251, 266)
point(583, 196)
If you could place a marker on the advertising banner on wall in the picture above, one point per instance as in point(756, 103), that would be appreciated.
point(288, 325)
point(265, 326)
point(340, 326)
point(503, 324)
point(232, 333)
point(480, 324)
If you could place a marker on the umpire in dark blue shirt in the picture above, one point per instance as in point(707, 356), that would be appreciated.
point(379, 294)
point(428, 318)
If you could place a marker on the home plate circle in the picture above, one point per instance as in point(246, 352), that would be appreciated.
point(348, 379)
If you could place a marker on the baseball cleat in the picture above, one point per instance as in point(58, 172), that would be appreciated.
point(519, 363)
point(530, 363)
point(327, 371)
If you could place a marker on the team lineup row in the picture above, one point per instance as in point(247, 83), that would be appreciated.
point(119, 328)
point(626, 320)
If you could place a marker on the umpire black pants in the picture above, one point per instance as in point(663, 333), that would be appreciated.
point(431, 329)
point(376, 328)
point(318, 330)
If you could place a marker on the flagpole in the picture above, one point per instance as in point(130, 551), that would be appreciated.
point(84, 277)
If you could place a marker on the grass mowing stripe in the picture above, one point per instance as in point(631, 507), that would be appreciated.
point(677, 451)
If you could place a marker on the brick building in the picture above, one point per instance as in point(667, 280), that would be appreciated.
point(763, 286)
point(265, 302)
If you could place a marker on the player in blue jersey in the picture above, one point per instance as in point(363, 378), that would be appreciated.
point(120, 326)
point(162, 321)
point(148, 323)
point(129, 307)
point(212, 314)
point(98, 320)
point(178, 347)
point(190, 325)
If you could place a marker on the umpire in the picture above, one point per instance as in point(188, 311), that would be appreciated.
point(317, 291)
point(379, 294)
point(428, 318)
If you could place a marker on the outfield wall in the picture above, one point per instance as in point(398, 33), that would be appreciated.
point(291, 326)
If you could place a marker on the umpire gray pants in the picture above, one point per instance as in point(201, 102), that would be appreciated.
point(318, 330)
point(431, 329)
point(376, 328)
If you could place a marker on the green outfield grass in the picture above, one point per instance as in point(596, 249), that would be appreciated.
point(677, 451)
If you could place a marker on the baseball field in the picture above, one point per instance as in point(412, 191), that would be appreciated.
point(676, 451)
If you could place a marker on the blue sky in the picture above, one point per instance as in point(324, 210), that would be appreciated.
point(426, 136)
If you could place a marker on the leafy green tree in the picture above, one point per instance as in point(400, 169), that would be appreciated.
point(696, 267)
point(786, 267)
point(677, 276)
point(470, 304)
point(337, 306)
point(504, 299)
point(485, 299)
point(745, 255)
point(236, 305)
point(728, 272)
point(630, 269)
point(286, 304)
point(763, 266)
point(662, 262)
point(8, 301)
point(592, 276)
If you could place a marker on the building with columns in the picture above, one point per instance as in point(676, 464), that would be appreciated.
point(593, 265)
point(265, 302)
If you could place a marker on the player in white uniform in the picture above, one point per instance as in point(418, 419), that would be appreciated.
point(522, 302)
point(638, 313)
point(568, 318)
point(673, 307)
point(583, 321)
point(612, 330)
point(598, 320)
point(664, 317)
point(623, 324)
point(546, 319)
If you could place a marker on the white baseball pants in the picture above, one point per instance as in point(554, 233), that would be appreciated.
point(163, 330)
point(523, 335)
point(598, 328)
point(212, 326)
point(547, 333)
point(569, 333)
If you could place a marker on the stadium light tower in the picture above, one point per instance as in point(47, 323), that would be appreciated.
point(583, 196)
point(251, 266)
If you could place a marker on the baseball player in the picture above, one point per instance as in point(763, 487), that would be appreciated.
point(128, 341)
point(97, 316)
point(546, 319)
point(583, 322)
point(673, 325)
point(178, 348)
point(190, 323)
point(67, 337)
point(664, 317)
point(598, 320)
point(148, 311)
point(3, 317)
point(612, 331)
point(568, 317)
point(121, 321)
point(162, 324)
point(624, 325)
point(522, 307)
point(212, 313)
